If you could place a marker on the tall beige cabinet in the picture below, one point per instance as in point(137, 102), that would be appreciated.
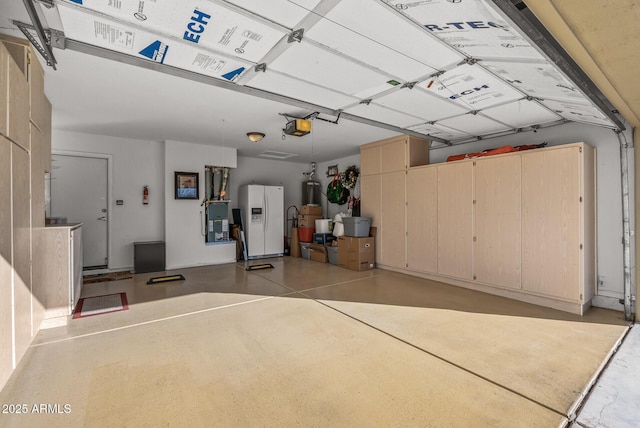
point(6, 258)
point(422, 219)
point(559, 208)
point(455, 219)
point(25, 149)
point(520, 225)
point(498, 221)
point(383, 167)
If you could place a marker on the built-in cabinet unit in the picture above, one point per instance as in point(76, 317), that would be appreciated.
point(520, 225)
point(25, 151)
point(383, 167)
point(62, 271)
point(393, 154)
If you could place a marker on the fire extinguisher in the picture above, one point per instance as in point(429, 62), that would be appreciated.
point(145, 195)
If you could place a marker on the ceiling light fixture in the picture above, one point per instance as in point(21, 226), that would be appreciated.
point(255, 136)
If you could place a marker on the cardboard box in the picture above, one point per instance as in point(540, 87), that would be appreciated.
point(356, 253)
point(319, 253)
point(311, 210)
point(305, 220)
point(323, 238)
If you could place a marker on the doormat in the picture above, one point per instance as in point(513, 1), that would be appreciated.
point(90, 306)
point(163, 279)
point(259, 267)
point(104, 277)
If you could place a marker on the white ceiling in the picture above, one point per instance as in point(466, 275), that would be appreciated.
point(349, 52)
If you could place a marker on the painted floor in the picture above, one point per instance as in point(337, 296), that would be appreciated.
point(309, 344)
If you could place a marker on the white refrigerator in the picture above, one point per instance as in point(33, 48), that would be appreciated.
point(262, 211)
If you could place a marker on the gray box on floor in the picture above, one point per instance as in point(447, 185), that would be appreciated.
point(356, 226)
point(148, 256)
point(333, 255)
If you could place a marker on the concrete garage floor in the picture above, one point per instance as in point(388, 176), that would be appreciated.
point(310, 344)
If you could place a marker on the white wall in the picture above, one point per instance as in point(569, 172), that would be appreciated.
point(184, 219)
point(135, 163)
point(271, 173)
point(609, 192)
point(330, 210)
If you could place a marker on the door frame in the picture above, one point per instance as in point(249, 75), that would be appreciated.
point(109, 159)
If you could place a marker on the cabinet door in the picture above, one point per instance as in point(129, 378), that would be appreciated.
point(37, 224)
point(37, 176)
point(21, 227)
point(46, 135)
point(36, 88)
point(392, 241)
point(497, 247)
point(57, 271)
point(393, 155)
point(370, 192)
point(75, 256)
point(4, 76)
point(417, 151)
point(422, 219)
point(6, 261)
point(455, 221)
point(550, 222)
point(18, 117)
point(370, 160)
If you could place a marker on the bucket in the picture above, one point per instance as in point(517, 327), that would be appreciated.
point(305, 234)
point(338, 229)
point(323, 225)
point(305, 250)
point(333, 255)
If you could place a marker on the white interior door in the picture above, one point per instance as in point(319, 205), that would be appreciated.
point(79, 193)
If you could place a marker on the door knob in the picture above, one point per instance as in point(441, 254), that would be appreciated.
point(103, 218)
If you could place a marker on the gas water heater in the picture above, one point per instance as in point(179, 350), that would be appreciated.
point(311, 188)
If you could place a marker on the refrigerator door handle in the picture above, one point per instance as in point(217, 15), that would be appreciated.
point(266, 212)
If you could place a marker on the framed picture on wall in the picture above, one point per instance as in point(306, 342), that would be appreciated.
point(186, 184)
